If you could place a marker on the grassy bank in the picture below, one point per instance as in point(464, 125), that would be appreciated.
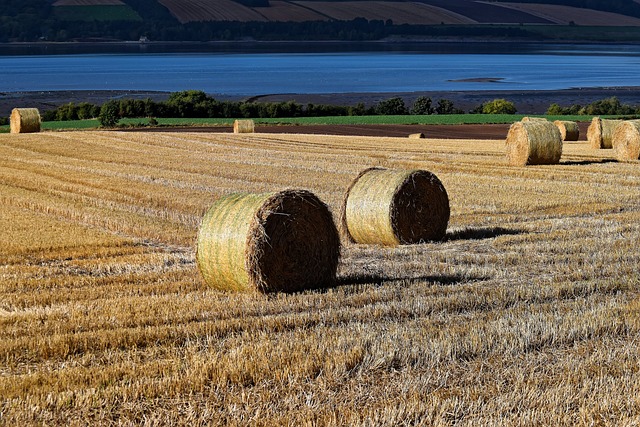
point(448, 119)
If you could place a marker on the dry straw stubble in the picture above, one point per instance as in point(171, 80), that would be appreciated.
point(626, 141)
point(275, 242)
point(600, 132)
point(568, 130)
point(25, 120)
point(534, 119)
point(392, 207)
point(243, 126)
point(533, 143)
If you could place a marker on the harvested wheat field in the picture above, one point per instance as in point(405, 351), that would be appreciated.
point(527, 313)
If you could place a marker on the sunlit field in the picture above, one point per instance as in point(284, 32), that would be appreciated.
point(528, 313)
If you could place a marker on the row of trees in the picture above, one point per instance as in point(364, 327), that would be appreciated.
point(197, 104)
point(608, 106)
point(30, 28)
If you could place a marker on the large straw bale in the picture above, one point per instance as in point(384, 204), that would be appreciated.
point(25, 120)
point(533, 143)
point(600, 132)
point(626, 141)
point(392, 207)
point(568, 130)
point(275, 242)
point(243, 126)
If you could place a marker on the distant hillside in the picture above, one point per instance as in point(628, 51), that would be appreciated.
point(65, 20)
point(421, 12)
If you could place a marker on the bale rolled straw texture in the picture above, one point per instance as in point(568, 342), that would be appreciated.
point(534, 119)
point(275, 242)
point(392, 207)
point(417, 135)
point(243, 126)
point(25, 120)
point(626, 141)
point(600, 132)
point(568, 130)
point(533, 143)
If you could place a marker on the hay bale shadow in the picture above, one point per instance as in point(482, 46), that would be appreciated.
point(588, 162)
point(481, 233)
point(380, 279)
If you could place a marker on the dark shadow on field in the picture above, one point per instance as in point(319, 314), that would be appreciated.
point(379, 279)
point(470, 233)
point(588, 162)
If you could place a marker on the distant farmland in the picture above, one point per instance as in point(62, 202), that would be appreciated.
point(202, 10)
point(565, 15)
point(398, 12)
point(94, 10)
point(528, 310)
point(427, 12)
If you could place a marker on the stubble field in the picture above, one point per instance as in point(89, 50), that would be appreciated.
point(528, 313)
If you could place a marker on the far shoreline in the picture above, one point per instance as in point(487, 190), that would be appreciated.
point(418, 44)
point(392, 40)
point(526, 101)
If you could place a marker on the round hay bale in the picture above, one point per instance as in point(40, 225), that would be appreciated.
point(243, 126)
point(533, 143)
point(600, 132)
point(417, 135)
point(568, 130)
point(392, 207)
point(25, 120)
point(626, 141)
point(275, 242)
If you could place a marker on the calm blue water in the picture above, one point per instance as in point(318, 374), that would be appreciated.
point(431, 67)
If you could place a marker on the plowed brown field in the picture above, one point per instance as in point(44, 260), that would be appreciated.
point(565, 14)
point(398, 12)
point(289, 11)
point(486, 12)
point(428, 12)
point(203, 10)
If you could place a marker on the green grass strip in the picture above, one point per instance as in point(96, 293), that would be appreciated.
point(445, 119)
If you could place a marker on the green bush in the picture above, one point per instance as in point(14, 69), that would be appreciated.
point(609, 106)
point(446, 106)
point(108, 116)
point(555, 110)
point(361, 110)
point(392, 107)
point(191, 103)
point(499, 106)
point(422, 106)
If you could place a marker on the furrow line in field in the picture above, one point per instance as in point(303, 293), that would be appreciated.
point(115, 218)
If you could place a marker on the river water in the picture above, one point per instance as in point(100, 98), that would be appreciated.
point(254, 69)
